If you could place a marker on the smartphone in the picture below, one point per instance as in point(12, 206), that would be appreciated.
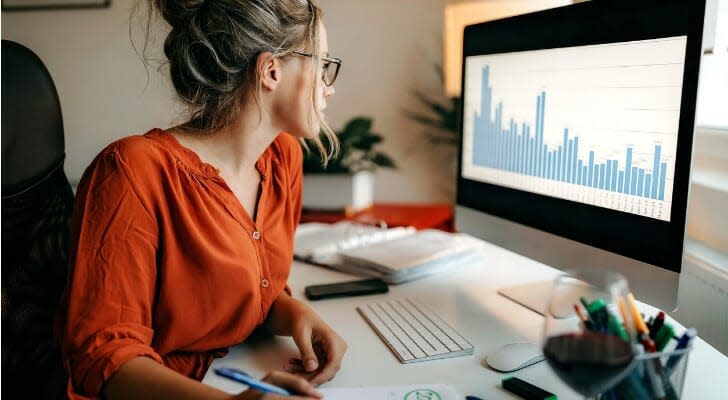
point(346, 289)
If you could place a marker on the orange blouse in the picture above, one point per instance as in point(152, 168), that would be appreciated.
point(165, 261)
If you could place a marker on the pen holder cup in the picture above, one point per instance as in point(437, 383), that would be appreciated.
point(653, 376)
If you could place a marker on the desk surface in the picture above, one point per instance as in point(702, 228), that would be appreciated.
point(465, 298)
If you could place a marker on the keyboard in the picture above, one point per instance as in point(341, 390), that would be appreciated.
point(413, 332)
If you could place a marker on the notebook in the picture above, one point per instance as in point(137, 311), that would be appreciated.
point(411, 392)
point(395, 255)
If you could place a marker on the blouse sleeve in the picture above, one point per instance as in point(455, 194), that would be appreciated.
point(111, 288)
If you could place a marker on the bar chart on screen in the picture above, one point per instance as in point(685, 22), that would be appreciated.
point(594, 124)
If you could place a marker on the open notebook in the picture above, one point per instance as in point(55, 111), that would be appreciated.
point(395, 255)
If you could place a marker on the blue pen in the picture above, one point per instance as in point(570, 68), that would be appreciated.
point(682, 343)
point(240, 376)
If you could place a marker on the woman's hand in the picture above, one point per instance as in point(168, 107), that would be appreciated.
point(322, 349)
point(300, 388)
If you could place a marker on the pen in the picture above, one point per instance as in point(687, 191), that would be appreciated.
point(656, 376)
point(240, 376)
point(636, 316)
point(682, 343)
point(657, 390)
point(639, 350)
point(584, 320)
point(622, 309)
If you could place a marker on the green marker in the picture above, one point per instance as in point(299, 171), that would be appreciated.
point(598, 310)
point(663, 336)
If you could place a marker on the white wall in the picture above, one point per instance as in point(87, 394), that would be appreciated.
point(100, 80)
point(388, 48)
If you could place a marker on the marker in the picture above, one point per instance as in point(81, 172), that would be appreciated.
point(663, 336)
point(597, 322)
point(240, 376)
point(657, 324)
point(526, 390)
point(600, 315)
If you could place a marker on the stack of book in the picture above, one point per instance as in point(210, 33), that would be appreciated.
point(395, 255)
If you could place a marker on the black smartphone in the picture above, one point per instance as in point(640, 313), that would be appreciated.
point(346, 289)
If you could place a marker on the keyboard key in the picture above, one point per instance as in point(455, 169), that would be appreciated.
point(383, 311)
point(384, 332)
point(428, 342)
point(438, 333)
point(459, 340)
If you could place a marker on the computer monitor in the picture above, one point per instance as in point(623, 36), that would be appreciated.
point(576, 139)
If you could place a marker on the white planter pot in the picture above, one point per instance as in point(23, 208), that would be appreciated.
point(338, 192)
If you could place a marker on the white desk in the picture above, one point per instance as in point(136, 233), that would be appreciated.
point(465, 298)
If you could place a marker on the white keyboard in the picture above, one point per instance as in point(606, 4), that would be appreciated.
point(413, 332)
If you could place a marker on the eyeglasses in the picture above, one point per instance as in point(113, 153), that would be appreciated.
point(330, 68)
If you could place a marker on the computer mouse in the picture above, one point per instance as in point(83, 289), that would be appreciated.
point(514, 356)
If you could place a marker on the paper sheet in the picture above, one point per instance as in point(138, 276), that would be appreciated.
point(418, 392)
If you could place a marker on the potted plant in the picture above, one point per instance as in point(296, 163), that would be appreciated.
point(346, 183)
point(439, 116)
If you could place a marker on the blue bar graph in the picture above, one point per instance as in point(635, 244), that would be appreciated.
point(523, 151)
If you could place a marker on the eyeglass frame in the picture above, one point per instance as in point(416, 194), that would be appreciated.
point(332, 60)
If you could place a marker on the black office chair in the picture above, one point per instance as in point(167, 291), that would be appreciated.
point(36, 208)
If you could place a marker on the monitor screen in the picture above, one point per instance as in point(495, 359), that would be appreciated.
point(593, 124)
point(576, 136)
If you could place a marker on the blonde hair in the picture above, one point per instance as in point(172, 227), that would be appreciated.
point(213, 47)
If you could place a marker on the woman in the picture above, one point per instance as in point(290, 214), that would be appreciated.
point(183, 238)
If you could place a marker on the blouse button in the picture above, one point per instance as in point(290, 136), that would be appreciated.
point(256, 235)
point(264, 283)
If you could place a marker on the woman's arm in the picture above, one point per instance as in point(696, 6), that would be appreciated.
point(322, 349)
point(142, 378)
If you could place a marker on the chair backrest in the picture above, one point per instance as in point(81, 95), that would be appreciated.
point(36, 209)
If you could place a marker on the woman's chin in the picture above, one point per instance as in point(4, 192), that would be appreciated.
point(313, 132)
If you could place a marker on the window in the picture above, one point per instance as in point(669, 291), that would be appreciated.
point(707, 214)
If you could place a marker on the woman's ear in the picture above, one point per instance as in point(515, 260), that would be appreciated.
point(269, 70)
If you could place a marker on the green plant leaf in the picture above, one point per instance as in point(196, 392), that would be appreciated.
point(433, 105)
point(354, 129)
point(366, 142)
point(383, 160)
point(424, 120)
point(357, 153)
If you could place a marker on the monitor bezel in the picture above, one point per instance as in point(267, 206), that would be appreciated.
point(581, 24)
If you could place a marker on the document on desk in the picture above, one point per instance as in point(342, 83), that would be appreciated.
point(413, 392)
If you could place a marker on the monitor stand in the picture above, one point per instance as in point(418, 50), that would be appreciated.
point(536, 295)
point(533, 296)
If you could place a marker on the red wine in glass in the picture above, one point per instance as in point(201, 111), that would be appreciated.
point(589, 362)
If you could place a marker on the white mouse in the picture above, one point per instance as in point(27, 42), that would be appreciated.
point(514, 356)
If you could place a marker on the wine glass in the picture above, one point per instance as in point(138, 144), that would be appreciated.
point(588, 332)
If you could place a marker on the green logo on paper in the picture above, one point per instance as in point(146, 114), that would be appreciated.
point(422, 394)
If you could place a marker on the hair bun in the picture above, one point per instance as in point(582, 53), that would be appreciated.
point(191, 5)
point(178, 12)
